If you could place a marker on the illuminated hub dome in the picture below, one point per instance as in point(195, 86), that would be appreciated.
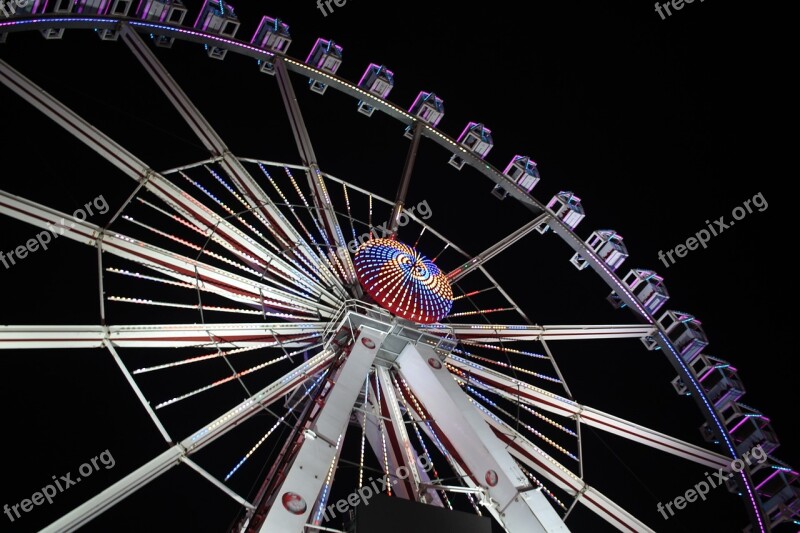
point(402, 281)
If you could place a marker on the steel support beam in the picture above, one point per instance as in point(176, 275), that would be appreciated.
point(211, 224)
point(304, 479)
point(232, 286)
point(485, 459)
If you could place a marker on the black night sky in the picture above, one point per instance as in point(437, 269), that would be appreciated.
point(658, 125)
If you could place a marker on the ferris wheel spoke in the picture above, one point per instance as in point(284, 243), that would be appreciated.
point(239, 336)
point(235, 376)
point(225, 284)
point(405, 179)
point(494, 250)
point(217, 483)
point(73, 123)
point(39, 337)
point(201, 250)
point(322, 200)
point(210, 139)
point(290, 409)
point(291, 268)
point(481, 401)
point(135, 387)
point(258, 260)
point(236, 335)
point(226, 353)
point(190, 286)
point(324, 264)
point(520, 391)
point(514, 368)
point(508, 332)
point(229, 285)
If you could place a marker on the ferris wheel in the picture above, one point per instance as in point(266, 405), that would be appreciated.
point(358, 333)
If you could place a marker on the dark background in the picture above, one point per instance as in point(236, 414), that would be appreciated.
point(408, 516)
point(657, 125)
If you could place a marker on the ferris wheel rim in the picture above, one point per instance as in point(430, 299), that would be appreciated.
point(560, 229)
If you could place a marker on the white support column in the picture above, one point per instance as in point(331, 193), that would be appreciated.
point(513, 501)
point(305, 477)
point(400, 450)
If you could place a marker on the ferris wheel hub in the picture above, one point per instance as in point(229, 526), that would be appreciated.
point(403, 281)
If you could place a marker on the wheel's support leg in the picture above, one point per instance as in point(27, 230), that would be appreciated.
point(400, 453)
point(291, 503)
point(509, 495)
